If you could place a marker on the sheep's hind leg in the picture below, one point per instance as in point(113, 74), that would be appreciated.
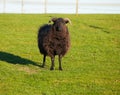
point(44, 59)
point(60, 65)
point(52, 63)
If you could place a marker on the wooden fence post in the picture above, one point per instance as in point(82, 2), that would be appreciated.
point(22, 5)
point(45, 6)
point(76, 7)
point(4, 6)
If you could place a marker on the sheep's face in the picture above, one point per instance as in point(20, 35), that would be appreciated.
point(59, 24)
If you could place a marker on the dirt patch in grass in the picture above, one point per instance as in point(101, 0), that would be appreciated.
point(28, 70)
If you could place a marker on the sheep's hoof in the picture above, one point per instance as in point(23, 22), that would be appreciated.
point(51, 68)
point(42, 66)
point(60, 69)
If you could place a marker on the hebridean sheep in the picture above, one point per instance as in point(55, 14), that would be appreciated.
point(54, 39)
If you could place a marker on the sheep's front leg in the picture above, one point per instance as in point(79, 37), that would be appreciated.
point(60, 65)
point(44, 59)
point(52, 63)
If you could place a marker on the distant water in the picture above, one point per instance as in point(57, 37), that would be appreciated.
point(59, 8)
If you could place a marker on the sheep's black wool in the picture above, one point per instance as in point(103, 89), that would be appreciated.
point(54, 39)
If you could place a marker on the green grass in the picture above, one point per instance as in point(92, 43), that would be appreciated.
point(91, 67)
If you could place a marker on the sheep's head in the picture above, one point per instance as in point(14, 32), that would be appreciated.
point(59, 24)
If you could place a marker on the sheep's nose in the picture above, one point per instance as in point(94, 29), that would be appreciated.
point(58, 29)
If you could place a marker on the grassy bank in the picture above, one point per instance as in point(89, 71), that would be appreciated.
point(91, 67)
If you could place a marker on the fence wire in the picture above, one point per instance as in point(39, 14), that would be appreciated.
point(55, 6)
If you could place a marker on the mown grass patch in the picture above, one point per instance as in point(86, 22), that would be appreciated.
point(91, 67)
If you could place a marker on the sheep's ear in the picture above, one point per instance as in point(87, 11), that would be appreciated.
point(67, 20)
point(52, 19)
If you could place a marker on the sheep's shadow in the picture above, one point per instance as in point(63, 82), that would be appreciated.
point(14, 59)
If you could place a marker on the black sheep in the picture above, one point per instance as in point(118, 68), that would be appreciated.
point(54, 39)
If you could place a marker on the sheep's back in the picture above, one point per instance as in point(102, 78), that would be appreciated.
point(42, 33)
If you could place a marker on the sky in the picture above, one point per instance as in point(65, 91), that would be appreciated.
point(60, 6)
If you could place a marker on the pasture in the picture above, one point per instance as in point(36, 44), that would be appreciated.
point(91, 67)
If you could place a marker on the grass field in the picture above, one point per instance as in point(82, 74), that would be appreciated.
point(91, 67)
